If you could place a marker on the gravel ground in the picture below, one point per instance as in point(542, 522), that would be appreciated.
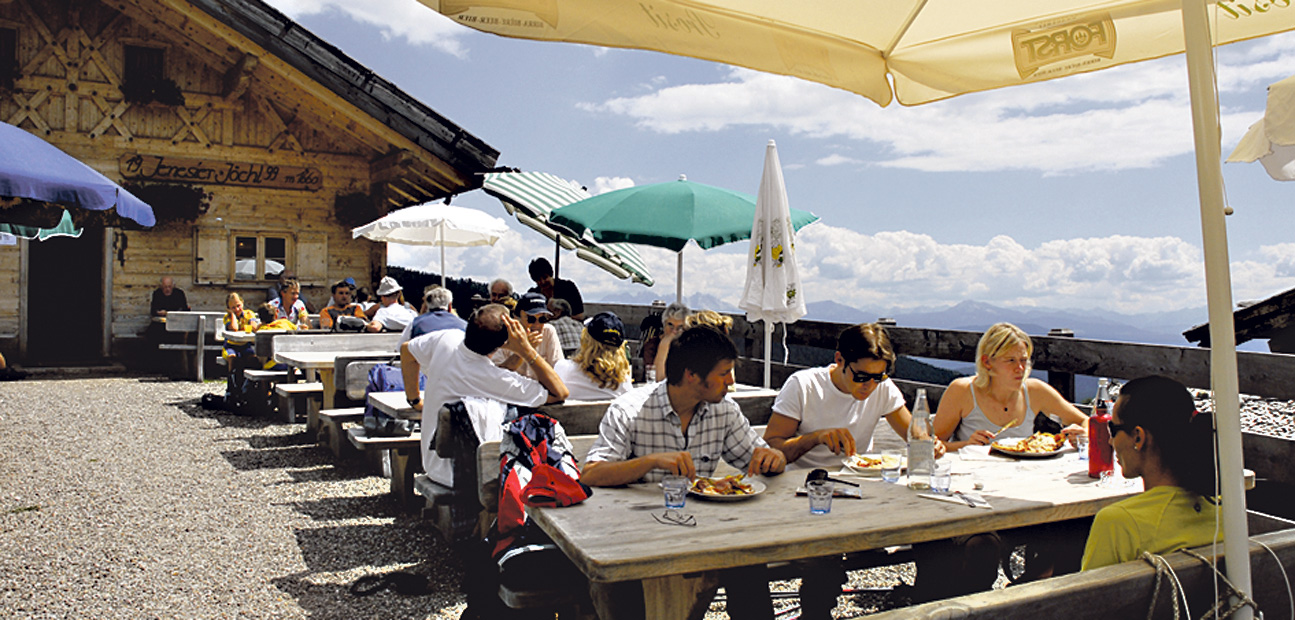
point(122, 498)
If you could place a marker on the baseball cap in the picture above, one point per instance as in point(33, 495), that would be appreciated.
point(534, 304)
point(606, 328)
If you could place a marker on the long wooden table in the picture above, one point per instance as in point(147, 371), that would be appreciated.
point(319, 366)
point(612, 536)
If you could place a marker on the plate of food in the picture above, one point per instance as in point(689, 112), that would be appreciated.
point(1036, 446)
point(870, 464)
point(726, 489)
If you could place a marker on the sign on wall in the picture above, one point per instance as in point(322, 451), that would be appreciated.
point(187, 170)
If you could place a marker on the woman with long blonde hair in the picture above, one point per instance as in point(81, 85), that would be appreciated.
point(600, 370)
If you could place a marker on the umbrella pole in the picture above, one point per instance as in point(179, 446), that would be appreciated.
point(442, 254)
point(1218, 288)
point(768, 349)
point(678, 280)
point(557, 256)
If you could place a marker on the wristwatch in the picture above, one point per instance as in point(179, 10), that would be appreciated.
point(413, 401)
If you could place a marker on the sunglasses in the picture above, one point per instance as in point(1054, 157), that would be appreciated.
point(1116, 428)
point(536, 318)
point(864, 377)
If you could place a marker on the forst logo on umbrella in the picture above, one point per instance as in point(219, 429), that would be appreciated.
point(1092, 35)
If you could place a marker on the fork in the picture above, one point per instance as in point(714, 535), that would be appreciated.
point(1010, 424)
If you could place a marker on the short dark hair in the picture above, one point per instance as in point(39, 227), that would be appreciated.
point(265, 312)
point(559, 306)
point(1165, 409)
point(340, 284)
point(865, 340)
point(486, 330)
point(540, 268)
point(698, 349)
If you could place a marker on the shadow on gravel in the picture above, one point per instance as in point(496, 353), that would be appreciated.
point(335, 602)
point(272, 458)
point(383, 506)
point(341, 548)
point(327, 472)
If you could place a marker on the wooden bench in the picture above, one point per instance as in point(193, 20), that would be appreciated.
point(406, 459)
point(332, 429)
point(263, 382)
point(297, 398)
point(202, 325)
point(352, 377)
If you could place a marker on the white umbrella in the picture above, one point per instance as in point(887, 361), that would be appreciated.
point(245, 269)
point(773, 292)
point(435, 224)
point(1272, 139)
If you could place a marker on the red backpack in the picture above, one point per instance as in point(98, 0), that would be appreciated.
point(536, 467)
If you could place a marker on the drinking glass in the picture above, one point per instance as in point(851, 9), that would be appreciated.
point(676, 490)
point(820, 496)
point(1081, 444)
point(942, 477)
point(891, 462)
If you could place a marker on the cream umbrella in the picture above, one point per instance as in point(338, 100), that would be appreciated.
point(934, 49)
point(435, 224)
point(1271, 140)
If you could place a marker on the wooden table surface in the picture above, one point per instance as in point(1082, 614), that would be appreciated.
point(613, 537)
point(321, 363)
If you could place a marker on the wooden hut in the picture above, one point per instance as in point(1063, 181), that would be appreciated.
point(258, 144)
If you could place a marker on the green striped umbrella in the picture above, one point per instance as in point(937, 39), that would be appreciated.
point(532, 196)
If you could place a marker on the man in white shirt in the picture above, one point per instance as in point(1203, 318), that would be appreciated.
point(394, 314)
point(457, 365)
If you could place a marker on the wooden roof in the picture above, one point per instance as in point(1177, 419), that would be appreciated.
point(418, 155)
point(1255, 321)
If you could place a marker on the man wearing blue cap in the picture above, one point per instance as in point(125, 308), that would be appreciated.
point(532, 312)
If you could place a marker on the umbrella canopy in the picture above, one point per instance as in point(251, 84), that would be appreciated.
point(34, 169)
point(532, 197)
point(437, 225)
point(933, 49)
point(245, 269)
point(65, 228)
point(668, 215)
point(772, 292)
point(1271, 140)
point(929, 49)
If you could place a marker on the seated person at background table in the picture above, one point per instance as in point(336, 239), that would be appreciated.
point(440, 315)
point(600, 369)
point(533, 312)
point(501, 292)
point(1160, 437)
point(672, 323)
point(238, 319)
point(710, 318)
point(568, 329)
point(268, 315)
point(289, 306)
point(683, 425)
point(650, 335)
point(167, 298)
point(555, 288)
point(971, 412)
point(340, 306)
point(457, 365)
point(275, 291)
point(365, 300)
point(824, 415)
point(393, 314)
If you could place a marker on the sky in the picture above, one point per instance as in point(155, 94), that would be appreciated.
point(1068, 194)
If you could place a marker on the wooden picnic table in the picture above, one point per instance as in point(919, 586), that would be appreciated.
point(613, 537)
point(199, 323)
point(319, 366)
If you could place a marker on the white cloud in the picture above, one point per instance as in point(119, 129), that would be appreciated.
point(898, 269)
point(1134, 116)
point(396, 19)
point(836, 159)
point(603, 185)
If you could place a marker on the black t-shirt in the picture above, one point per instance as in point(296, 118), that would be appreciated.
point(565, 289)
point(171, 303)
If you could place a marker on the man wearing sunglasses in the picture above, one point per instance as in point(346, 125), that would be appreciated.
point(823, 415)
point(532, 312)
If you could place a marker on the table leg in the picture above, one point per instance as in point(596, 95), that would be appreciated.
point(330, 390)
point(405, 464)
point(672, 596)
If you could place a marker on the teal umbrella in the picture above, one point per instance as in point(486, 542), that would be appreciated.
point(668, 215)
point(65, 228)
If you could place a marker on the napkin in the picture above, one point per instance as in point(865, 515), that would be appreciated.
point(956, 498)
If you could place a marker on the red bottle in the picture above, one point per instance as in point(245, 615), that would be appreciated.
point(1101, 456)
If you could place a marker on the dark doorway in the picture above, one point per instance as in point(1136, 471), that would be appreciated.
point(65, 300)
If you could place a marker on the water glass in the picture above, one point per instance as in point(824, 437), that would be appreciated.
point(820, 496)
point(891, 463)
point(676, 490)
point(1081, 444)
point(942, 477)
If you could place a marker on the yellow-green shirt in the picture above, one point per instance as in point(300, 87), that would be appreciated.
point(1159, 520)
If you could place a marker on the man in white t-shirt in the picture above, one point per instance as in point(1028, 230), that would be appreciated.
point(457, 365)
point(394, 314)
point(823, 415)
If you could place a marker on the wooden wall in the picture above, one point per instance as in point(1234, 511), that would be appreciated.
point(70, 60)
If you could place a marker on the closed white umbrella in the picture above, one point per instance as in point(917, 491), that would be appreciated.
point(435, 224)
point(773, 291)
point(1271, 140)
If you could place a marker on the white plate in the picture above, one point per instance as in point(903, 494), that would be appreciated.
point(757, 487)
point(1007, 447)
point(851, 464)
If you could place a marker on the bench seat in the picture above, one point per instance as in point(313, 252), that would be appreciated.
point(332, 429)
point(406, 460)
point(296, 398)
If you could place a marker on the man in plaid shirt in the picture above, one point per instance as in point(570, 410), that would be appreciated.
point(683, 425)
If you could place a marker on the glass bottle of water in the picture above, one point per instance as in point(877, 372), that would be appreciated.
point(921, 445)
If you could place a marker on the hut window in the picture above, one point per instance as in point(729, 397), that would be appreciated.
point(143, 64)
point(8, 57)
point(259, 257)
point(144, 79)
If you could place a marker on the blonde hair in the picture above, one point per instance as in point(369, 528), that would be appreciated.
point(229, 299)
point(710, 318)
point(605, 364)
point(292, 286)
point(998, 339)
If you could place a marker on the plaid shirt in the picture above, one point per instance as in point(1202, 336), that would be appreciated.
point(642, 422)
point(568, 333)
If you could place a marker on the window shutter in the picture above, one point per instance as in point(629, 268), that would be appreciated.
point(211, 255)
point(312, 258)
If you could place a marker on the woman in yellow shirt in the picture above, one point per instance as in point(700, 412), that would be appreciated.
point(1159, 436)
